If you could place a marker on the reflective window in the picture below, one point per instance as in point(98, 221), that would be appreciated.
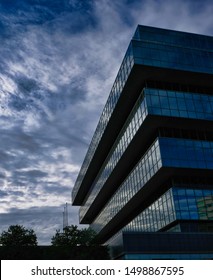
point(196, 204)
point(175, 204)
point(163, 48)
point(117, 88)
point(133, 183)
point(186, 153)
point(133, 123)
point(172, 56)
point(179, 104)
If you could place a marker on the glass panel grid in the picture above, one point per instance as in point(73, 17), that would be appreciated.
point(130, 186)
point(117, 88)
point(161, 48)
point(186, 153)
point(171, 37)
point(156, 216)
point(166, 54)
point(179, 104)
point(194, 204)
point(127, 133)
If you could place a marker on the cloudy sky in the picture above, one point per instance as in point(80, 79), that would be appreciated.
point(59, 59)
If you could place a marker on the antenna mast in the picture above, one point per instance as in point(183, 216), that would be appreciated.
point(65, 216)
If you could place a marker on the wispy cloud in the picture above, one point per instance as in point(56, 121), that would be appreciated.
point(58, 62)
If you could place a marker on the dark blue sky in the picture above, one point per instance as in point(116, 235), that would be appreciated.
point(59, 59)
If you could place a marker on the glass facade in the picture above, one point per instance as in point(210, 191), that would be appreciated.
point(173, 57)
point(177, 53)
point(193, 204)
point(179, 104)
point(145, 169)
point(155, 217)
point(154, 175)
point(174, 50)
point(171, 37)
point(127, 133)
point(165, 152)
point(117, 88)
point(176, 204)
point(186, 153)
point(153, 102)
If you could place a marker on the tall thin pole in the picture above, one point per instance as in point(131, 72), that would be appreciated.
point(65, 216)
point(63, 220)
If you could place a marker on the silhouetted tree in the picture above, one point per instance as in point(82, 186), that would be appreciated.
point(72, 236)
point(87, 236)
point(17, 235)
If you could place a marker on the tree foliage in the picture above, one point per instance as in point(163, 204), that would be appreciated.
point(72, 236)
point(17, 235)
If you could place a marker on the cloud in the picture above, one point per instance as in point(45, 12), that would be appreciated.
point(179, 15)
point(58, 62)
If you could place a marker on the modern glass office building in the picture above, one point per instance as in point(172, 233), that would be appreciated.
point(146, 183)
